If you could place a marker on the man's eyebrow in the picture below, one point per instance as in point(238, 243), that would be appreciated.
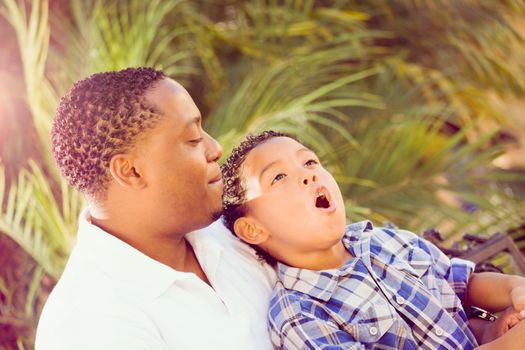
point(195, 120)
point(268, 166)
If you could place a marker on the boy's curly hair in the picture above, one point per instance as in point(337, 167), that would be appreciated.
point(233, 198)
point(101, 116)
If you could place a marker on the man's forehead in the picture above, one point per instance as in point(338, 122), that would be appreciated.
point(171, 99)
point(165, 90)
point(174, 86)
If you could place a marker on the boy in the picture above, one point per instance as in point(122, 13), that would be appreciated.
point(355, 287)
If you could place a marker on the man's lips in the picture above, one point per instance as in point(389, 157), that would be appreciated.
point(216, 178)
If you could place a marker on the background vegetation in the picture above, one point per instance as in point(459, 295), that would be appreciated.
point(406, 101)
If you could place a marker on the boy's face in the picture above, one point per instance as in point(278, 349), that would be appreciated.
point(291, 199)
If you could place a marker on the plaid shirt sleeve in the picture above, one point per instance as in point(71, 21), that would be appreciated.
point(455, 271)
point(304, 332)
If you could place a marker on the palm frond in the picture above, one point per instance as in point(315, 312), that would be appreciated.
point(131, 34)
point(33, 40)
point(261, 29)
point(296, 92)
point(480, 39)
point(33, 218)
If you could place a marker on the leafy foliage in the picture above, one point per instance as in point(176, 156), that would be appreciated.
point(393, 95)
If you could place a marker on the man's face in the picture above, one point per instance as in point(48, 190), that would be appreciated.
point(293, 197)
point(184, 183)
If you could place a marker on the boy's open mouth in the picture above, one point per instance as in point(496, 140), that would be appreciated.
point(322, 199)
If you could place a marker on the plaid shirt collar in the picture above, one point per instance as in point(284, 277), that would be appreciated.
point(321, 284)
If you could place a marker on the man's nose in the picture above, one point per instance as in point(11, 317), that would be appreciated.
point(308, 178)
point(214, 150)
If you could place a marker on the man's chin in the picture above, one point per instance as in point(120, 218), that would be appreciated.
point(207, 220)
point(216, 208)
point(216, 215)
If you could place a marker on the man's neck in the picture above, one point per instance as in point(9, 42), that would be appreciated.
point(171, 250)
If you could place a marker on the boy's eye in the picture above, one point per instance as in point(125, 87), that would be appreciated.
point(311, 162)
point(278, 178)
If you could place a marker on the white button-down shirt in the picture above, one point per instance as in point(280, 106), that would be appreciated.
point(111, 296)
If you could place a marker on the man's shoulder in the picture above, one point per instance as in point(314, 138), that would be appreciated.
point(85, 292)
point(85, 325)
point(75, 309)
point(76, 297)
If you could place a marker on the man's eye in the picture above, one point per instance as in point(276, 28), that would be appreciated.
point(311, 162)
point(278, 178)
point(196, 141)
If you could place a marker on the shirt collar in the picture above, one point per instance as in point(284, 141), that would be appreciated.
point(354, 233)
point(125, 265)
point(321, 284)
point(318, 284)
point(208, 248)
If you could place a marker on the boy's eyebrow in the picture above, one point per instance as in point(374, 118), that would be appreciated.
point(267, 167)
point(304, 149)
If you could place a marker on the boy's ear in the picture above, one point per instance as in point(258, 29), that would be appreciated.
point(125, 172)
point(249, 230)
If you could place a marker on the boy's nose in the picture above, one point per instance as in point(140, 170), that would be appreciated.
point(309, 178)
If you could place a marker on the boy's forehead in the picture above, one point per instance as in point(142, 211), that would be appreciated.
point(271, 150)
point(276, 150)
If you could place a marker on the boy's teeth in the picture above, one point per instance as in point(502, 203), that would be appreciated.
point(321, 201)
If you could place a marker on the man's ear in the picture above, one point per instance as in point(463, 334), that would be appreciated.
point(250, 231)
point(124, 171)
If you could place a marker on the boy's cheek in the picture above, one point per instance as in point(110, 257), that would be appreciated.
point(253, 189)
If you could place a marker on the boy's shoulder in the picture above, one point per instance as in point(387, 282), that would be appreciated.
point(366, 234)
point(288, 306)
point(390, 246)
point(285, 304)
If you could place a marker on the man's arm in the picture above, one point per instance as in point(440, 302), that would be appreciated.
point(514, 339)
point(486, 331)
point(495, 291)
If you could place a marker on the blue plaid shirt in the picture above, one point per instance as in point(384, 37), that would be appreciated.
point(398, 291)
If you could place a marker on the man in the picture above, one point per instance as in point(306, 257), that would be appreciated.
point(132, 143)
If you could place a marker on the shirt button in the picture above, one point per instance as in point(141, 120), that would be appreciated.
point(400, 300)
point(439, 331)
point(373, 330)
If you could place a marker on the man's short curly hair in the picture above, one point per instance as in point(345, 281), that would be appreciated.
point(101, 116)
point(234, 195)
